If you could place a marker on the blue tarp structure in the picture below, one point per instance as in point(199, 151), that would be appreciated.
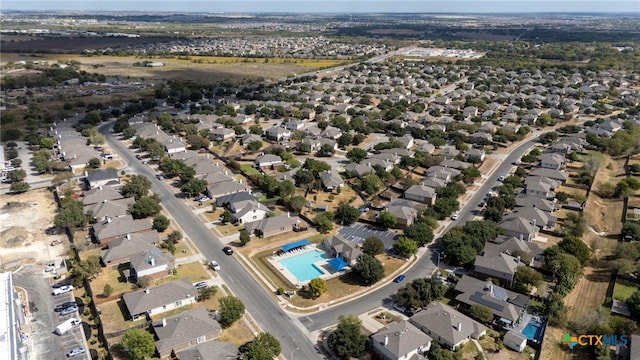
point(295, 245)
point(337, 263)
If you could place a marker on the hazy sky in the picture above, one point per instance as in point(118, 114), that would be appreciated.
point(339, 6)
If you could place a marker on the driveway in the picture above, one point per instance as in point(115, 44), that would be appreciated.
point(44, 343)
point(359, 232)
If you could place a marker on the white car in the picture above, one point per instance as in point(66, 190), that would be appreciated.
point(75, 352)
point(63, 290)
point(455, 217)
point(214, 265)
point(501, 178)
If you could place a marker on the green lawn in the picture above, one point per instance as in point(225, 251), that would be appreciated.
point(249, 170)
point(623, 292)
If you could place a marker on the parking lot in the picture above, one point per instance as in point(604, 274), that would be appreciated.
point(45, 344)
point(359, 232)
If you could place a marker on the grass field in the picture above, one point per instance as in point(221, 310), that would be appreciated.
point(623, 292)
point(194, 68)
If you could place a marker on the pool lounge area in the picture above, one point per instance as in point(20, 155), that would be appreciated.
point(531, 326)
point(302, 261)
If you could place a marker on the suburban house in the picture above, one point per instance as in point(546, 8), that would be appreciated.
point(331, 180)
point(293, 125)
point(421, 193)
point(277, 133)
point(104, 209)
point(528, 251)
point(542, 219)
point(99, 177)
point(552, 161)
point(159, 299)
point(222, 134)
point(173, 146)
point(111, 228)
point(473, 154)
point(100, 194)
point(231, 199)
point(331, 132)
point(248, 138)
point(269, 161)
point(119, 250)
point(447, 326)
point(360, 170)
point(514, 340)
point(185, 330)
point(225, 188)
point(520, 228)
point(152, 263)
point(400, 340)
point(558, 175)
point(404, 210)
point(497, 265)
point(314, 144)
point(449, 152)
point(524, 200)
point(507, 306)
point(425, 147)
point(210, 350)
point(433, 182)
point(337, 246)
point(539, 187)
point(250, 211)
point(271, 225)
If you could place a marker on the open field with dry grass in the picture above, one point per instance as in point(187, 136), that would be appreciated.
point(196, 68)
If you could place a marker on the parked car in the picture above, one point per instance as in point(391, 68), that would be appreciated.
point(200, 285)
point(399, 278)
point(62, 290)
point(62, 283)
point(214, 264)
point(501, 178)
point(64, 306)
point(227, 250)
point(399, 307)
point(75, 352)
point(69, 310)
point(455, 217)
point(50, 267)
point(159, 177)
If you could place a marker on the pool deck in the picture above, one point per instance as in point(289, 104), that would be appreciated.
point(322, 265)
point(524, 321)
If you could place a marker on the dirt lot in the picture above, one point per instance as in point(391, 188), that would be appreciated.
point(24, 219)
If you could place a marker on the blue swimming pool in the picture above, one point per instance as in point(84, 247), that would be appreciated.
point(301, 266)
point(533, 330)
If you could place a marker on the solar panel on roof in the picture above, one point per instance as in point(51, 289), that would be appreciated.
point(500, 293)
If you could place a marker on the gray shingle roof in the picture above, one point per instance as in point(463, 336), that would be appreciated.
point(140, 301)
point(210, 350)
point(184, 327)
point(97, 195)
point(123, 247)
point(120, 226)
point(496, 261)
point(270, 224)
point(102, 175)
point(447, 324)
point(401, 338)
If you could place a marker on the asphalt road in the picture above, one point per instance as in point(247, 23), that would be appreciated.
point(261, 305)
point(424, 266)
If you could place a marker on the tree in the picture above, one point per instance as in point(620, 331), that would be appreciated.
point(254, 145)
point(356, 155)
point(263, 347)
point(16, 175)
point(324, 221)
point(317, 286)
point(372, 246)
point(231, 310)
point(420, 292)
point(140, 343)
point(107, 290)
point(244, 237)
point(295, 203)
point(481, 313)
point(94, 163)
point(136, 186)
point(634, 304)
point(405, 247)
point(631, 231)
point(19, 187)
point(371, 184)
point(387, 219)
point(226, 216)
point(128, 133)
point(326, 150)
point(206, 293)
point(346, 214)
point(194, 186)
point(198, 142)
point(576, 247)
point(347, 340)
point(493, 214)
point(146, 206)
point(71, 214)
point(315, 166)
point(436, 352)
point(160, 223)
point(420, 232)
point(85, 269)
point(526, 276)
point(369, 269)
